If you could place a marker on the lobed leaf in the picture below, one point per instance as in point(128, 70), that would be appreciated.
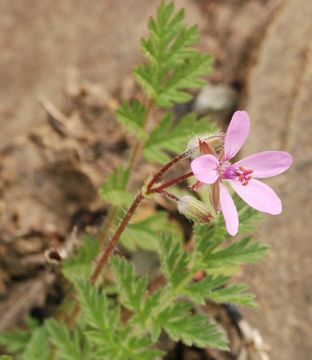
point(170, 137)
point(81, 264)
point(132, 117)
point(180, 324)
point(145, 234)
point(175, 66)
point(174, 262)
point(114, 190)
point(60, 337)
point(131, 289)
point(38, 346)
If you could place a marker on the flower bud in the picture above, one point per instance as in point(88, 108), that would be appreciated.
point(215, 141)
point(194, 209)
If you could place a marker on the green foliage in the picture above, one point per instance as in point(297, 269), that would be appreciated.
point(243, 251)
point(61, 338)
point(145, 234)
point(213, 252)
point(38, 346)
point(5, 357)
point(15, 341)
point(97, 311)
point(213, 288)
point(132, 117)
point(180, 324)
point(174, 65)
point(81, 264)
point(130, 288)
point(104, 327)
point(171, 137)
point(174, 263)
point(113, 191)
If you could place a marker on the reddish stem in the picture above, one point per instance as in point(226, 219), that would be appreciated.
point(112, 244)
point(165, 168)
point(175, 181)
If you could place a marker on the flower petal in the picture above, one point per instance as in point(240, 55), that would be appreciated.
point(229, 211)
point(205, 168)
point(267, 163)
point(236, 134)
point(259, 196)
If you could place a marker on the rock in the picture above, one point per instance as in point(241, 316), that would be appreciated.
point(279, 103)
point(215, 98)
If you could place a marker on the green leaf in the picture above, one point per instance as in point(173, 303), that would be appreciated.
point(174, 64)
point(180, 324)
point(132, 117)
point(235, 294)
point(131, 289)
point(5, 357)
point(145, 234)
point(38, 346)
point(170, 137)
point(174, 263)
point(141, 349)
point(200, 291)
point(185, 76)
point(244, 251)
point(15, 341)
point(96, 308)
point(114, 189)
point(60, 337)
point(214, 289)
point(81, 265)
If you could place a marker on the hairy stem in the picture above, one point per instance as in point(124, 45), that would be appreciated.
point(172, 182)
point(112, 244)
point(134, 157)
point(104, 258)
point(163, 170)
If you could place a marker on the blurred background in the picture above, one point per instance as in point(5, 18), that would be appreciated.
point(72, 60)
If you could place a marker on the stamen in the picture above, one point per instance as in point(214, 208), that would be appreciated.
point(244, 175)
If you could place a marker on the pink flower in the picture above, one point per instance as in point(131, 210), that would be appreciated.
point(242, 175)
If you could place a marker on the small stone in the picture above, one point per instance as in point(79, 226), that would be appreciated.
point(215, 98)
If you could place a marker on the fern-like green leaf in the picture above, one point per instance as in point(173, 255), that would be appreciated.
point(174, 263)
point(174, 66)
point(244, 251)
point(145, 234)
point(114, 191)
point(38, 346)
point(132, 117)
point(191, 329)
point(96, 309)
point(131, 289)
point(81, 264)
point(60, 337)
point(170, 137)
point(15, 341)
point(215, 289)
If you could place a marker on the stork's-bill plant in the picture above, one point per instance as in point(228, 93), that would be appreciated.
point(112, 313)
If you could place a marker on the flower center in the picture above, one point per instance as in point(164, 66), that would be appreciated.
point(228, 171)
